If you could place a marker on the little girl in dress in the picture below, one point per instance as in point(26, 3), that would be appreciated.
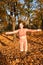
point(22, 36)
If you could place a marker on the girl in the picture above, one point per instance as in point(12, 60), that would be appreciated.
point(22, 36)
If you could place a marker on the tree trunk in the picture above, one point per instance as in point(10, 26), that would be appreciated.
point(14, 24)
point(14, 36)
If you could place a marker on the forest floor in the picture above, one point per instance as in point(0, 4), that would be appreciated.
point(11, 55)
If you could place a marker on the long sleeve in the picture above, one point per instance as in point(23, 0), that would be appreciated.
point(30, 30)
point(9, 32)
point(12, 32)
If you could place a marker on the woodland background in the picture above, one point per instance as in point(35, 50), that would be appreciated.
point(12, 12)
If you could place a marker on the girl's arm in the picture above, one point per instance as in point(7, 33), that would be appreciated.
point(12, 32)
point(30, 30)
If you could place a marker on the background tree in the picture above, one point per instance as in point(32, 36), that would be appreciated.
point(29, 11)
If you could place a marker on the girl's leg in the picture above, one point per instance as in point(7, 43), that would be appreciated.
point(25, 45)
point(21, 45)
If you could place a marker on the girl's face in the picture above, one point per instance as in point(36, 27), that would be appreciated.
point(21, 25)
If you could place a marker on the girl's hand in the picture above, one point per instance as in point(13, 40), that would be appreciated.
point(7, 33)
point(39, 30)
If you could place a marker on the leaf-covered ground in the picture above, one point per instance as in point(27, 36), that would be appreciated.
point(11, 55)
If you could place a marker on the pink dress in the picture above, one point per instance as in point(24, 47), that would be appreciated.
point(23, 40)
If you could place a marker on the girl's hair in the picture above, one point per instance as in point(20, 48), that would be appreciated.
point(20, 21)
